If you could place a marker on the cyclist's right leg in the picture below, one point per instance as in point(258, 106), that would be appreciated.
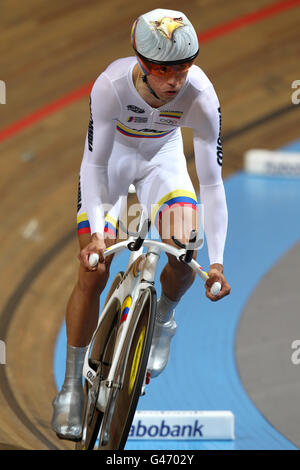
point(81, 321)
point(83, 306)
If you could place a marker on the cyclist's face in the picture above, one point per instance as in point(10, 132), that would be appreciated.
point(167, 87)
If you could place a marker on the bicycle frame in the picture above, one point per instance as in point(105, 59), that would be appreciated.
point(140, 273)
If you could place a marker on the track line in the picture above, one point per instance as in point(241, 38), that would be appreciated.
point(44, 112)
point(246, 20)
point(209, 35)
point(258, 122)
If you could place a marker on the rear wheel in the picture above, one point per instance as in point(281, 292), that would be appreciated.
point(130, 375)
point(100, 360)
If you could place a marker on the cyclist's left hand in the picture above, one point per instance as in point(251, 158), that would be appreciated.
point(216, 274)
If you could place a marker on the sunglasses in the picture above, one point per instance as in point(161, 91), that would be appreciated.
point(165, 70)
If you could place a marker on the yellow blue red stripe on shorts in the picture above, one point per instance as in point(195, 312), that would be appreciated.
point(178, 198)
point(83, 225)
point(111, 226)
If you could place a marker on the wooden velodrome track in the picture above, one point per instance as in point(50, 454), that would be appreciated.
point(48, 50)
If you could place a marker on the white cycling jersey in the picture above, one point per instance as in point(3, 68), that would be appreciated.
point(128, 141)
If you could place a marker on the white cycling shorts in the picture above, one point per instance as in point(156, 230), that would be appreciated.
point(158, 170)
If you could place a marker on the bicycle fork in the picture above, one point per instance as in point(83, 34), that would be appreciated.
point(147, 270)
point(148, 277)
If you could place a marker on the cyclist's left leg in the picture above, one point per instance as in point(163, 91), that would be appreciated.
point(178, 221)
point(176, 278)
point(168, 195)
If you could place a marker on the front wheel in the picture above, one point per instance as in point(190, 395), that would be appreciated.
point(130, 374)
point(100, 360)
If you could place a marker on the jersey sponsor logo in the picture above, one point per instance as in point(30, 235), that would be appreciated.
point(219, 141)
point(91, 129)
point(137, 119)
point(167, 122)
point(135, 109)
point(169, 118)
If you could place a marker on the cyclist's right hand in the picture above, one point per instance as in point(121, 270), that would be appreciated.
point(96, 245)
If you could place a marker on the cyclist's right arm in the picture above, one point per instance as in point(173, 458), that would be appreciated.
point(104, 110)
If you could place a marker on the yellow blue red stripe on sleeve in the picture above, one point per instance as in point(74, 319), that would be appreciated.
point(83, 225)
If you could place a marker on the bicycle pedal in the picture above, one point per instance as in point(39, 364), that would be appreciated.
point(68, 438)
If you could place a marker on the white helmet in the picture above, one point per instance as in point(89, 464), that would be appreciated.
point(164, 37)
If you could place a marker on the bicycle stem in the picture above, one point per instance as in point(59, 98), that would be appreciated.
point(150, 264)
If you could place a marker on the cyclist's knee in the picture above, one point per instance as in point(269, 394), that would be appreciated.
point(178, 222)
point(93, 282)
point(182, 270)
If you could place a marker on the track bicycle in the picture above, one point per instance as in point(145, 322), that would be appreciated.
point(115, 366)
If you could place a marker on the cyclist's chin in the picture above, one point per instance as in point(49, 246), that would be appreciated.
point(167, 95)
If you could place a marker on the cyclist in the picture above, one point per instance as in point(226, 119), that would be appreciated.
point(137, 107)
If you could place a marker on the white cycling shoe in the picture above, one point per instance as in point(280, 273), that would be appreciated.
point(67, 415)
point(68, 404)
point(160, 346)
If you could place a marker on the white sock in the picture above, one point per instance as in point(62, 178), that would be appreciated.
point(165, 308)
point(74, 363)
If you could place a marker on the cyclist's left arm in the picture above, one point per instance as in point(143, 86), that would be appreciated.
point(206, 118)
